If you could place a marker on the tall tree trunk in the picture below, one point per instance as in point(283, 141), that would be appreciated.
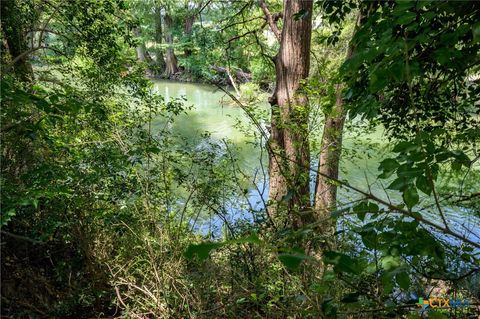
point(171, 66)
point(329, 160)
point(160, 59)
point(142, 53)
point(15, 41)
point(330, 154)
point(187, 30)
point(290, 155)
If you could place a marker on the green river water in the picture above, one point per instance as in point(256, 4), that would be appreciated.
point(213, 111)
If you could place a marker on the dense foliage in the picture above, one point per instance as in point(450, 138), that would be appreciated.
point(104, 204)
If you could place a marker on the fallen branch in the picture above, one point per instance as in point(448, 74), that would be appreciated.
point(241, 76)
point(20, 237)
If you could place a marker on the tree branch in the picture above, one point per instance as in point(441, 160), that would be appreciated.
point(368, 195)
point(271, 19)
point(20, 237)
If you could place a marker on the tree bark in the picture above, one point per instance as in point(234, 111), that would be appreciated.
point(15, 40)
point(289, 148)
point(171, 66)
point(328, 164)
point(160, 59)
point(187, 30)
point(330, 154)
point(142, 53)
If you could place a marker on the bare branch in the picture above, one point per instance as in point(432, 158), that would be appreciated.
point(20, 237)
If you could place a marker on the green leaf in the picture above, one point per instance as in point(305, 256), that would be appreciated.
point(361, 209)
point(373, 208)
point(476, 33)
point(369, 238)
point(6, 216)
point(456, 166)
point(461, 157)
point(342, 262)
point(250, 239)
point(387, 282)
point(320, 288)
point(404, 146)
point(403, 280)
point(407, 170)
point(399, 184)
point(390, 262)
point(378, 80)
point(201, 251)
point(388, 164)
point(410, 197)
point(423, 184)
point(292, 260)
point(443, 55)
point(406, 18)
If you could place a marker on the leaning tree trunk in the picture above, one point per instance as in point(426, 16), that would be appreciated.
point(171, 66)
point(15, 41)
point(160, 59)
point(289, 147)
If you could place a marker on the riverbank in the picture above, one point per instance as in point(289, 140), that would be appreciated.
point(219, 76)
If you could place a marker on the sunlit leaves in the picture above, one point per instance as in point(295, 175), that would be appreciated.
point(6, 216)
point(403, 50)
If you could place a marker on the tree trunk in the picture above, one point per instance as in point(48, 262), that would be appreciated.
point(290, 155)
point(330, 154)
point(171, 66)
point(160, 59)
point(142, 53)
point(187, 30)
point(15, 41)
point(328, 164)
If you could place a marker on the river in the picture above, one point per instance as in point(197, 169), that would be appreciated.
point(213, 111)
